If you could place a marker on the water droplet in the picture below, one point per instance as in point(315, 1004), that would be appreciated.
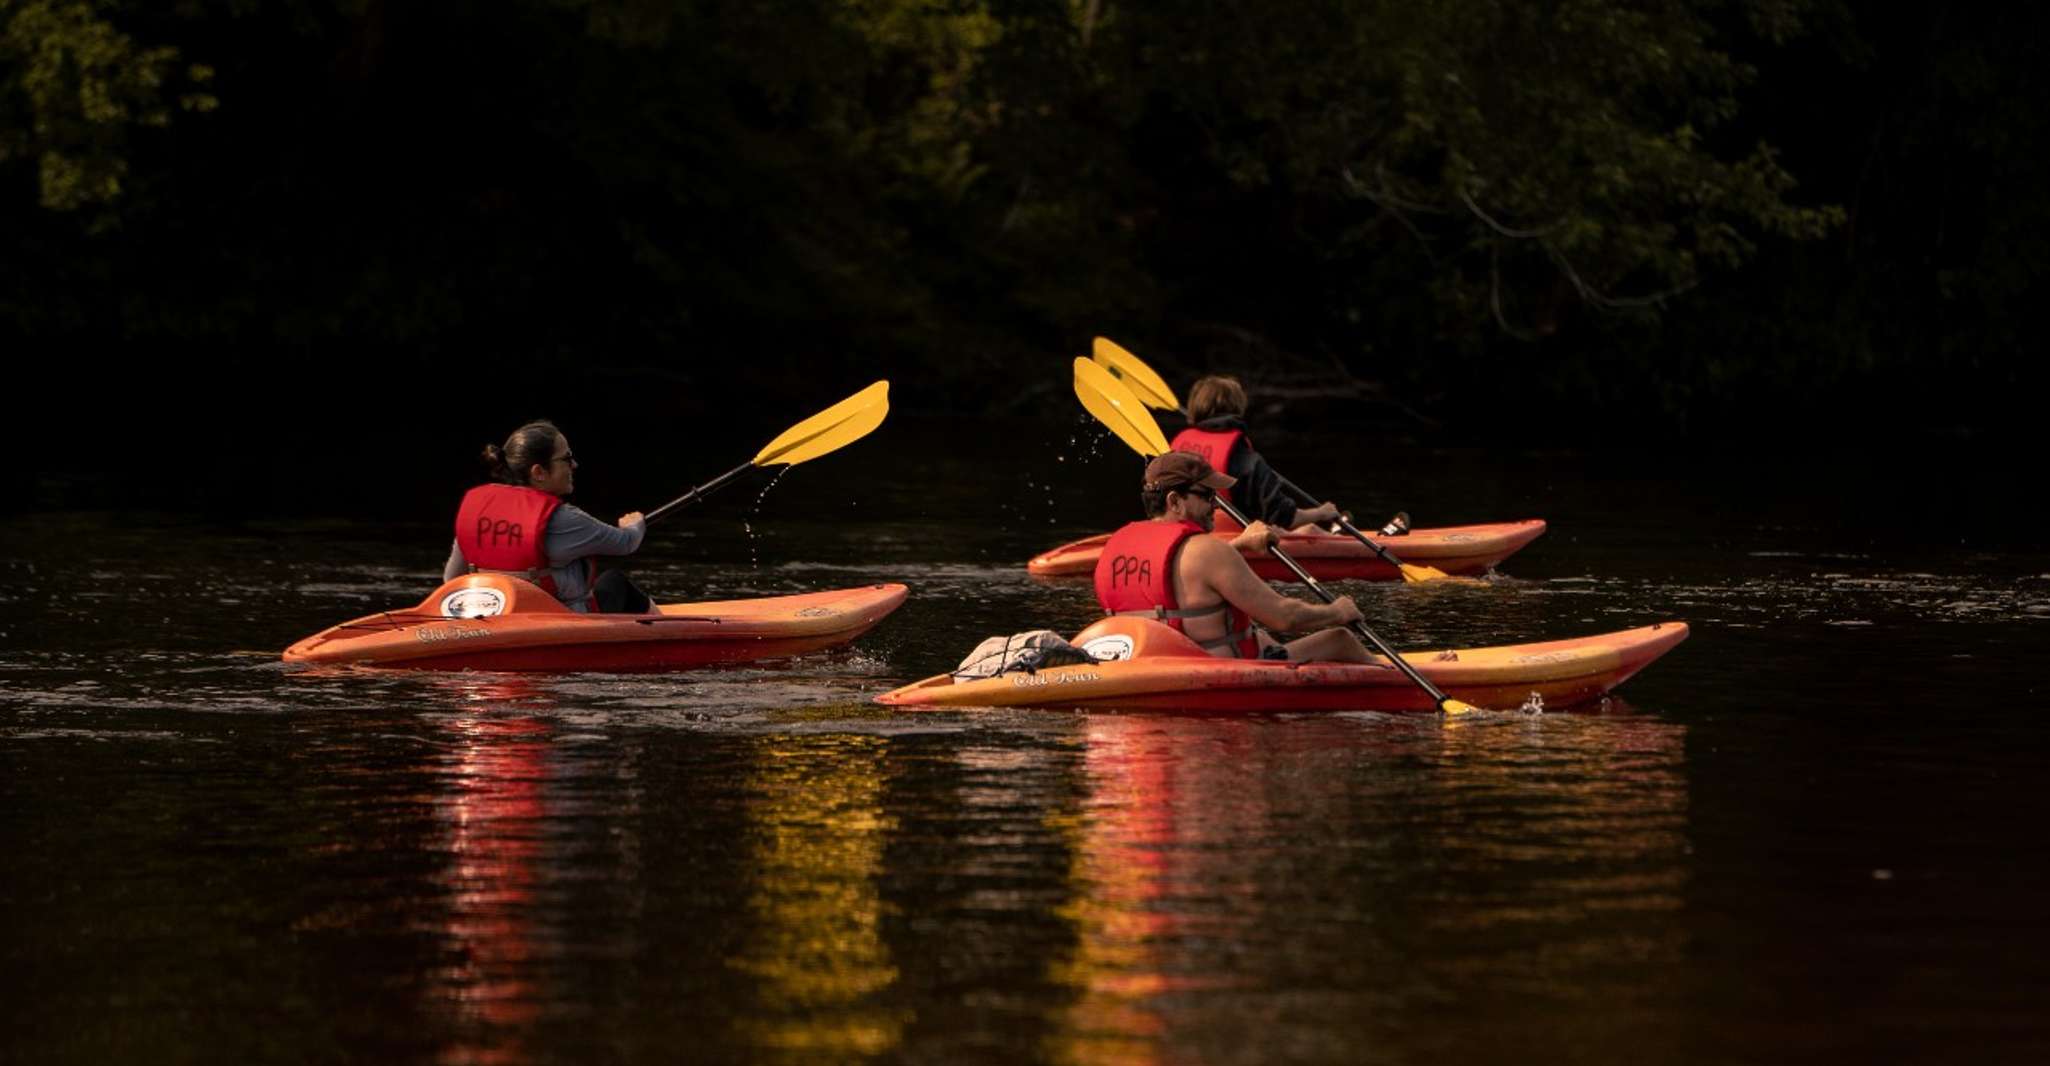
point(747, 524)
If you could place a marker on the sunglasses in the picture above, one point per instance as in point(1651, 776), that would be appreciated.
point(1203, 491)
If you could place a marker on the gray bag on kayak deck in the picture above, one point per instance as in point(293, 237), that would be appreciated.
point(1020, 651)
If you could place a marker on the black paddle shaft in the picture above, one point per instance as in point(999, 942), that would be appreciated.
point(1360, 628)
point(698, 493)
point(1387, 556)
point(1343, 523)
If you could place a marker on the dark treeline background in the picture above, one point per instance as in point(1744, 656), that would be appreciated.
point(292, 235)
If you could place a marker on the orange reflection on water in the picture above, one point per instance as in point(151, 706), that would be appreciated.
point(495, 815)
point(1511, 841)
point(1152, 844)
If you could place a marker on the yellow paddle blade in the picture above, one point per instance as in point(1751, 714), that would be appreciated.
point(1133, 371)
point(1418, 572)
point(1121, 412)
point(1452, 706)
point(831, 429)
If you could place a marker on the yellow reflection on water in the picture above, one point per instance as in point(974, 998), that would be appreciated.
point(816, 838)
point(1584, 818)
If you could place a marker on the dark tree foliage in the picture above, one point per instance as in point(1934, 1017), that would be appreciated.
point(1540, 218)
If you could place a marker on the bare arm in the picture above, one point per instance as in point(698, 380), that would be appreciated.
point(1255, 539)
point(1322, 514)
point(1218, 565)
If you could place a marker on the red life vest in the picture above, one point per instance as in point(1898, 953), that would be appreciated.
point(1215, 446)
point(504, 528)
point(1135, 576)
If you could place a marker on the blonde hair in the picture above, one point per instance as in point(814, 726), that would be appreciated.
point(1216, 395)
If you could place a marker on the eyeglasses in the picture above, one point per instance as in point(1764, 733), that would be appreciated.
point(566, 457)
point(1203, 491)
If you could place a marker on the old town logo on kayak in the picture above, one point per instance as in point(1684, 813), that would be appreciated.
point(426, 635)
point(1054, 677)
point(1110, 648)
point(473, 603)
point(1130, 569)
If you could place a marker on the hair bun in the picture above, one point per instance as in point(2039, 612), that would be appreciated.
point(494, 462)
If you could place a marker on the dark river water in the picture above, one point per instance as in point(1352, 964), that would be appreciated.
point(1808, 834)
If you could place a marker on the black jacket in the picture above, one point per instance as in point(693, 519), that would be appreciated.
point(1261, 492)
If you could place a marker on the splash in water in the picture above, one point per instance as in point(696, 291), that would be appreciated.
point(1052, 518)
point(754, 559)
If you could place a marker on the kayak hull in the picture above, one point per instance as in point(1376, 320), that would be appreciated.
point(531, 631)
point(1469, 549)
point(1168, 672)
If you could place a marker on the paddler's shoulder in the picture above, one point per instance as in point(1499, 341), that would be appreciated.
point(1204, 549)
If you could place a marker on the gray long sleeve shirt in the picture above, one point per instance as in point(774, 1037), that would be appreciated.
point(572, 536)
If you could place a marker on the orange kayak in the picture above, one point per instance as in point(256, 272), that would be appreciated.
point(1144, 664)
point(1335, 556)
point(498, 622)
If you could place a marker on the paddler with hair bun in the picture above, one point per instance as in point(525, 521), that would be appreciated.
point(518, 524)
point(1217, 431)
point(1166, 567)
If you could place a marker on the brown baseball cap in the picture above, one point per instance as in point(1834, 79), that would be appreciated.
point(1173, 470)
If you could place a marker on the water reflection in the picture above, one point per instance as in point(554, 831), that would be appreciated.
point(1329, 873)
point(382, 867)
point(494, 810)
point(816, 833)
point(1569, 833)
point(529, 844)
point(1121, 880)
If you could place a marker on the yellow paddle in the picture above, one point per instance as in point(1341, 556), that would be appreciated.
point(1136, 375)
point(830, 430)
point(1118, 409)
point(1123, 414)
point(1149, 387)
